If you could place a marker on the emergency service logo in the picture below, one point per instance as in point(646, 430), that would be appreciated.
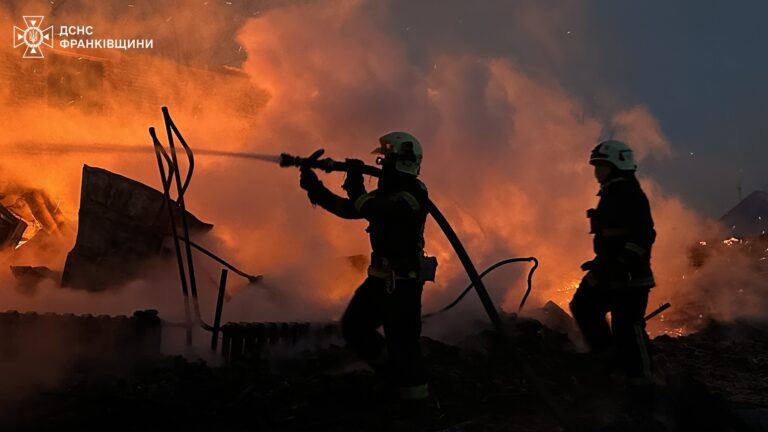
point(34, 37)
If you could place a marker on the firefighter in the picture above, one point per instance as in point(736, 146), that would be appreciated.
point(391, 294)
point(619, 278)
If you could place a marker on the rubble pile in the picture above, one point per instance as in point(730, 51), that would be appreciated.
point(121, 223)
point(712, 380)
point(729, 357)
point(37, 350)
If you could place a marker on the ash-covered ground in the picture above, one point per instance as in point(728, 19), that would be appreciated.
point(715, 379)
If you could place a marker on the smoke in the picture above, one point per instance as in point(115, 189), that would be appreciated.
point(505, 148)
point(505, 154)
point(730, 285)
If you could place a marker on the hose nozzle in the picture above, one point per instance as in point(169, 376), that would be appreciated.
point(287, 160)
point(325, 164)
point(313, 161)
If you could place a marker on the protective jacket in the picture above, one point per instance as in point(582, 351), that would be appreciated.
point(396, 212)
point(623, 232)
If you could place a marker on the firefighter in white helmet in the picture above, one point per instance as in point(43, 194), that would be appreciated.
point(619, 278)
point(391, 294)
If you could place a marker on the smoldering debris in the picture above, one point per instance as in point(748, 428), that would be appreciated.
point(554, 317)
point(116, 337)
point(38, 350)
point(474, 384)
point(121, 223)
point(26, 213)
point(36, 209)
point(11, 228)
point(29, 277)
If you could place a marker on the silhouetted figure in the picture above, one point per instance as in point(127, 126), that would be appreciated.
point(619, 278)
point(391, 294)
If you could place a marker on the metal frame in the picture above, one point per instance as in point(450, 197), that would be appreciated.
point(186, 273)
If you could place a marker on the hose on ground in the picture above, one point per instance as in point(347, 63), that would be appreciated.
point(486, 272)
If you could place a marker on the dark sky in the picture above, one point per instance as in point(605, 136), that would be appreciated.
point(699, 66)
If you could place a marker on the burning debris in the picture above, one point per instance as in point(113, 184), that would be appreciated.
point(321, 387)
point(11, 228)
point(27, 212)
point(121, 224)
point(297, 100)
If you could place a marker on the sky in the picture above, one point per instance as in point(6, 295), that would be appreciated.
point(699, 69)
point(699, 66)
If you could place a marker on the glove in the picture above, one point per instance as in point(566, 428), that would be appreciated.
point(353, 183)
point(308, 180)
point(355, 166)
point(589, 265)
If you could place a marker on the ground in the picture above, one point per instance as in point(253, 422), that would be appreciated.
point(715, 379)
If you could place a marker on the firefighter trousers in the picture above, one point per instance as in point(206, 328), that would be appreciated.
point(397, 308)
point(626, 333)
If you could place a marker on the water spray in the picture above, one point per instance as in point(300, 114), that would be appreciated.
point(286, 160)
point(32, 148)
point(187, 272)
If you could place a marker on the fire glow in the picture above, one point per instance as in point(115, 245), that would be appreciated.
point(298, 90)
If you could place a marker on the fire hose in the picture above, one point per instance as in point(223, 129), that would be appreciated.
point(330, 165)
point(483, 274)
point(187, 272)
point(538, 386)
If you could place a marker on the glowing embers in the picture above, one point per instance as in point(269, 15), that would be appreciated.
point(11, 228)
point(569, 286)
point(36, 209)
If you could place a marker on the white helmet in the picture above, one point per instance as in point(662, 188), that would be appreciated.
point(405, 148)
point(615, 152)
